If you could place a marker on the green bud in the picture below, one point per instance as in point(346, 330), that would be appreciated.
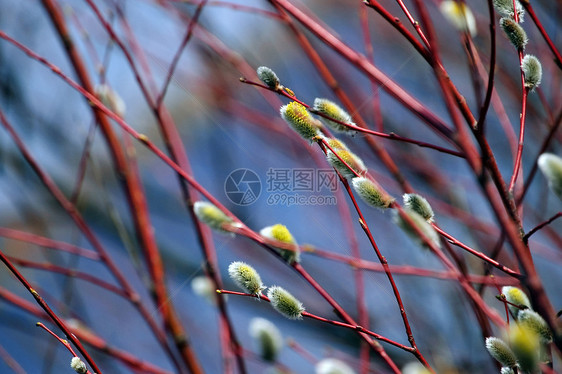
point(246, 277)
point(285, 303)
point(499, 350)
point(419, 205)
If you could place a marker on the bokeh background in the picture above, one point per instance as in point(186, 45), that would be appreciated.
point(226, 125)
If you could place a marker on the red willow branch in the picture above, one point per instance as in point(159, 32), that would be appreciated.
point(69, 273)
point(86, 336)
point(540, 298)
point(407, 269)
point(478, 254)
point(512, 226)
point(306, 314)
point(481, 123)
point(71, 210)
point(176, 149)
point(529, 8)
point(47, 243)
point(365, 130)
point(175, 60)
point(541, 225)
point(60, 324)
point(136, 198)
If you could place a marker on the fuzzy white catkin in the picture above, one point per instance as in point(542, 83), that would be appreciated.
point(285, 303)
point(299, 118)
point(351, 159)
point(505, 8)
point(551, 167)
point(78, 365)
point(268, 76)
point(515, 296)
point(267, 337)
point(459, 15)
point(419, 205)
point(499, 350)
point(246, 277)
point(533, 321)
point(532, 70)
point(281, 233)
point(333, 110)
point(211, 215)
point(371, 193)
point(422, 225)
point(514, 32)
point(333, 366)
point(525, 344)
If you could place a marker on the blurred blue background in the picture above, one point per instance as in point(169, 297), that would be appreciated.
point(226, 125)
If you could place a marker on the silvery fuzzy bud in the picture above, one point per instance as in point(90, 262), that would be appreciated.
point(78, 365)
point(268, 338)
point(419, 205)
point(334, 111)
point(499, 350)
point(459, 15)
point(246, 277)
point(505, 8)
point(211, 215)
point(268, 77)
point(532, 69)
point(533, 321)
point(300, 120)
point(371, 193)
point(281, 233)
point(285, 303)
point(551, 166)
point(420, 223)
point(332, 366)
point(350, 158)
point(515, 296)
point(525, 344)
point(514, 32)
